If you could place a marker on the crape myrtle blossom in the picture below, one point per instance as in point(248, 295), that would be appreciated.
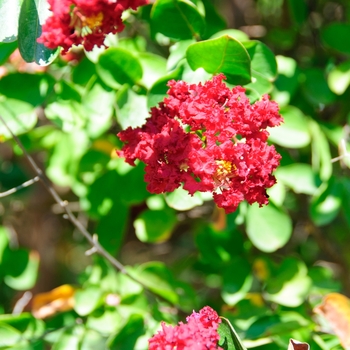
point(210, 139)
point(199, 333)
point(85, 22)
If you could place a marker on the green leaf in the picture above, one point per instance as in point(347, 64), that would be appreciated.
point(69, 339)
point(153, 66)
point(9, 336)
point(229, 339)
point(263, 60)
point(181, 200)
point(227, 56)
point(236, 284)
point(290, 285)
point(87, 300)
point(259, 85)
point(157, 278)
point(117, 67)
point(128, 336)
point(29, 30)
point(153, 226)
point(337, 36)
point(213, 20)
point(287, 80)
point(34, 87)
point(177, 19)
point(177, 53)
point(233, 33)
point(316, 89)
point(19, 116)
point(321, 153)
point(159, 89)
point(6, 49)
point(299, 177)
point(294, 132)
point(9, 13)
point(132, 109)
point(339, 78)
point(269, 228)
point(24, 274)
point(298, 11)
point(326, 203)
point(28, 325)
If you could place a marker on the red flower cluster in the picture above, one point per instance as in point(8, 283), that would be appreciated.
point(209, 138)
point(85, 22)
point(199, 333)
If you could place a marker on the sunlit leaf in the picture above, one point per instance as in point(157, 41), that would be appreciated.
point(227, 55)
point(183, 20)
point(9, 13)
point(269, 228)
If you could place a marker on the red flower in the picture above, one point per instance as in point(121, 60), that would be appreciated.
point(85, 22)
point(210, 139)
point(199, 333)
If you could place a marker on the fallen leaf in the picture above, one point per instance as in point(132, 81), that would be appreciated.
point(335, 308)
point(297, 345)
point(57, 300)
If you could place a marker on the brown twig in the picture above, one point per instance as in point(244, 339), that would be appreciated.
point(96, 246)
point(23, 185)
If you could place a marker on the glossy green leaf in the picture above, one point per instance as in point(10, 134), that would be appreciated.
point(263, 60)
point(104, 322)
point(29, 30)
point(294, 131)
point(337, 36)
point(227, 56)
point(183, 20)
point(229, 339)
point(9, 13)
point(155, 225)
point(326, 203)
point(132, 109)
point(339, 78)
point(237, 281)
point(117, 67)
point(290, 285)
point(87, 300)
point(299, 177)
point(269, 228)
point(181, 200)
point(259, 85)
point(19, 116)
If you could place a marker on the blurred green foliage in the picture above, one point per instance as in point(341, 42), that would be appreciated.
point(264, 269)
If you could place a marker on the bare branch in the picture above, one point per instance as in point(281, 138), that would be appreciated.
point(15, 189)
point(68, 213)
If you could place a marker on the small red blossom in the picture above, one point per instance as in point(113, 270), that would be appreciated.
point(210, 139)
point(86, 22)
point(199, 333)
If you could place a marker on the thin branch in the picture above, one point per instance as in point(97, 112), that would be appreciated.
point(15, 189)
point(97, 248)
